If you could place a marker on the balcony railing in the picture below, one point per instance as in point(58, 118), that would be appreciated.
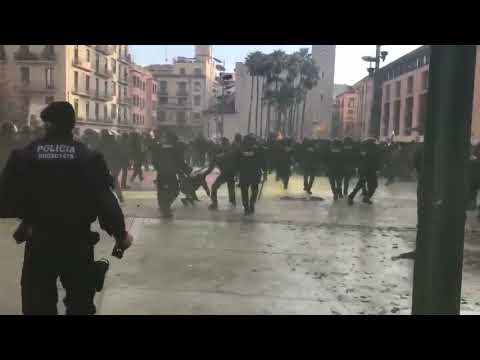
point(83, 92)
point(123, 80)
point(125, 59)
point(103, 96)
point(106, 73)
point(30, 87)
point(182, 93)
point(162, 92)
point(82, 63)
point(25, 55)
point(105, 49)
point(124, 100)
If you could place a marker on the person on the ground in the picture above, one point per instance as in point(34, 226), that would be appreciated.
point(252, 165)
point(58, 187)
point(225, 160)
point(367, 172)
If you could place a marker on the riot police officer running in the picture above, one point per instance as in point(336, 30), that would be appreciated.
point(59, 187)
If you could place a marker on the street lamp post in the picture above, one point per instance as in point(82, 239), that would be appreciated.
point(374, 128)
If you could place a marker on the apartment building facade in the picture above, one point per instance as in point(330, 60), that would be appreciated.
point(143, 93)
point(93, 78)
point(185, 92)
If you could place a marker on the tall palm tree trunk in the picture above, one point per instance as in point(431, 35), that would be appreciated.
point(294, 123)
point(250, 108)
point(303, 117)
point(297, 120)
point(261, 108)
point(267, 126)
point(256, 107)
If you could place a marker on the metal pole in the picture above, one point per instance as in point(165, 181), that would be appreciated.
point(223, 101)
point(439, 250)
point(376, 103)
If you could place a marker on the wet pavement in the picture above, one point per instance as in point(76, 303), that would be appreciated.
point(294, 256)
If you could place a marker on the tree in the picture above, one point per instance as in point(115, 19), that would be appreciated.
point(252, 63)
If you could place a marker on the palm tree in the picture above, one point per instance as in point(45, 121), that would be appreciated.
point(278, 59)
point(309, 79)
point(250, 64)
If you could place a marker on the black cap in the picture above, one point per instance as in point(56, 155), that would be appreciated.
point(60, 114)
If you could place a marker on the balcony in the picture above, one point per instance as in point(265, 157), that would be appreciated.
point(105, 73)
point(175, 106)
point(163, 92)
point(29, 87)
point(123, 80)
point(105, 49)
point(82, 64)
point(124, 100)
point(24, 55)
point(182, 93)
point(83, 92)
point(125, 59)
point(103, 96)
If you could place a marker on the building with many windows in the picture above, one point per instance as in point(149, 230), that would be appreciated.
point(185, 92)
point(93, 78)
point(143, 92)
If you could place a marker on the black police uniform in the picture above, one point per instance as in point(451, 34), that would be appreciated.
point(351, 158)
point(168, 161)
point(308, 159)
point(225, 160)
point(367, 172)
point(284, 157)
point(334, 160)
point(59, 187)
point(251, 163)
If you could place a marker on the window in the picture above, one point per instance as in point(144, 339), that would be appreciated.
point(182, 101)
point(97, 85)
point(387, 92)
point(114, 66)
point(182, 71)
point(96, 111)
point(154, 88)
point(88, 55)
point(321, 98)
point(49, 99)
point(106, 87)
point(386, 118)
point(75, 52)
point(323, 74)
point(182, 87)
point(75, 80)
point(396, 117)
point(49, 78)
point(197, 72)
point(196, 86)
point(75, 106)
point(125, 91)
point(181, 118)
point(196, 116)
point(163, 100)
point(163, 87)
point(25, 74)
point(87, 82)
point(410, 85)
point(105, 67)
point(97, 62)
point(87, 110)
point(125, 115)
point(398, 88)
point(161, 116)
point(143, 85)
point(408, 116)
point(105, 112)
point(425, 80)
point(114, 88)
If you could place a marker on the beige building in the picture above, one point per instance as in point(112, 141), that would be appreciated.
point(93, 78)
point(185, 92)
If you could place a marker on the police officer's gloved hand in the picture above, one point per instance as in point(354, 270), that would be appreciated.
point(122, 243)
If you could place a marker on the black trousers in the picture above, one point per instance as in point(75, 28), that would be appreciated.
point(124, 177)
point(335, 184)
point(137, 170)
point(308, 178)
point(116, 185)
point(221, 179)
point(370, 181)
point(249, 201)
point(167, 192)
point(42, 266)
point(283, 172)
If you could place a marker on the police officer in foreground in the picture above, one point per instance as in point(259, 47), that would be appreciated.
point(58, 187)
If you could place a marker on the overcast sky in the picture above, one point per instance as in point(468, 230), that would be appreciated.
point(349, 67)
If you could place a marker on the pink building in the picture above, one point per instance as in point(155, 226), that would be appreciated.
point(144, 99)
point(347, 105)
